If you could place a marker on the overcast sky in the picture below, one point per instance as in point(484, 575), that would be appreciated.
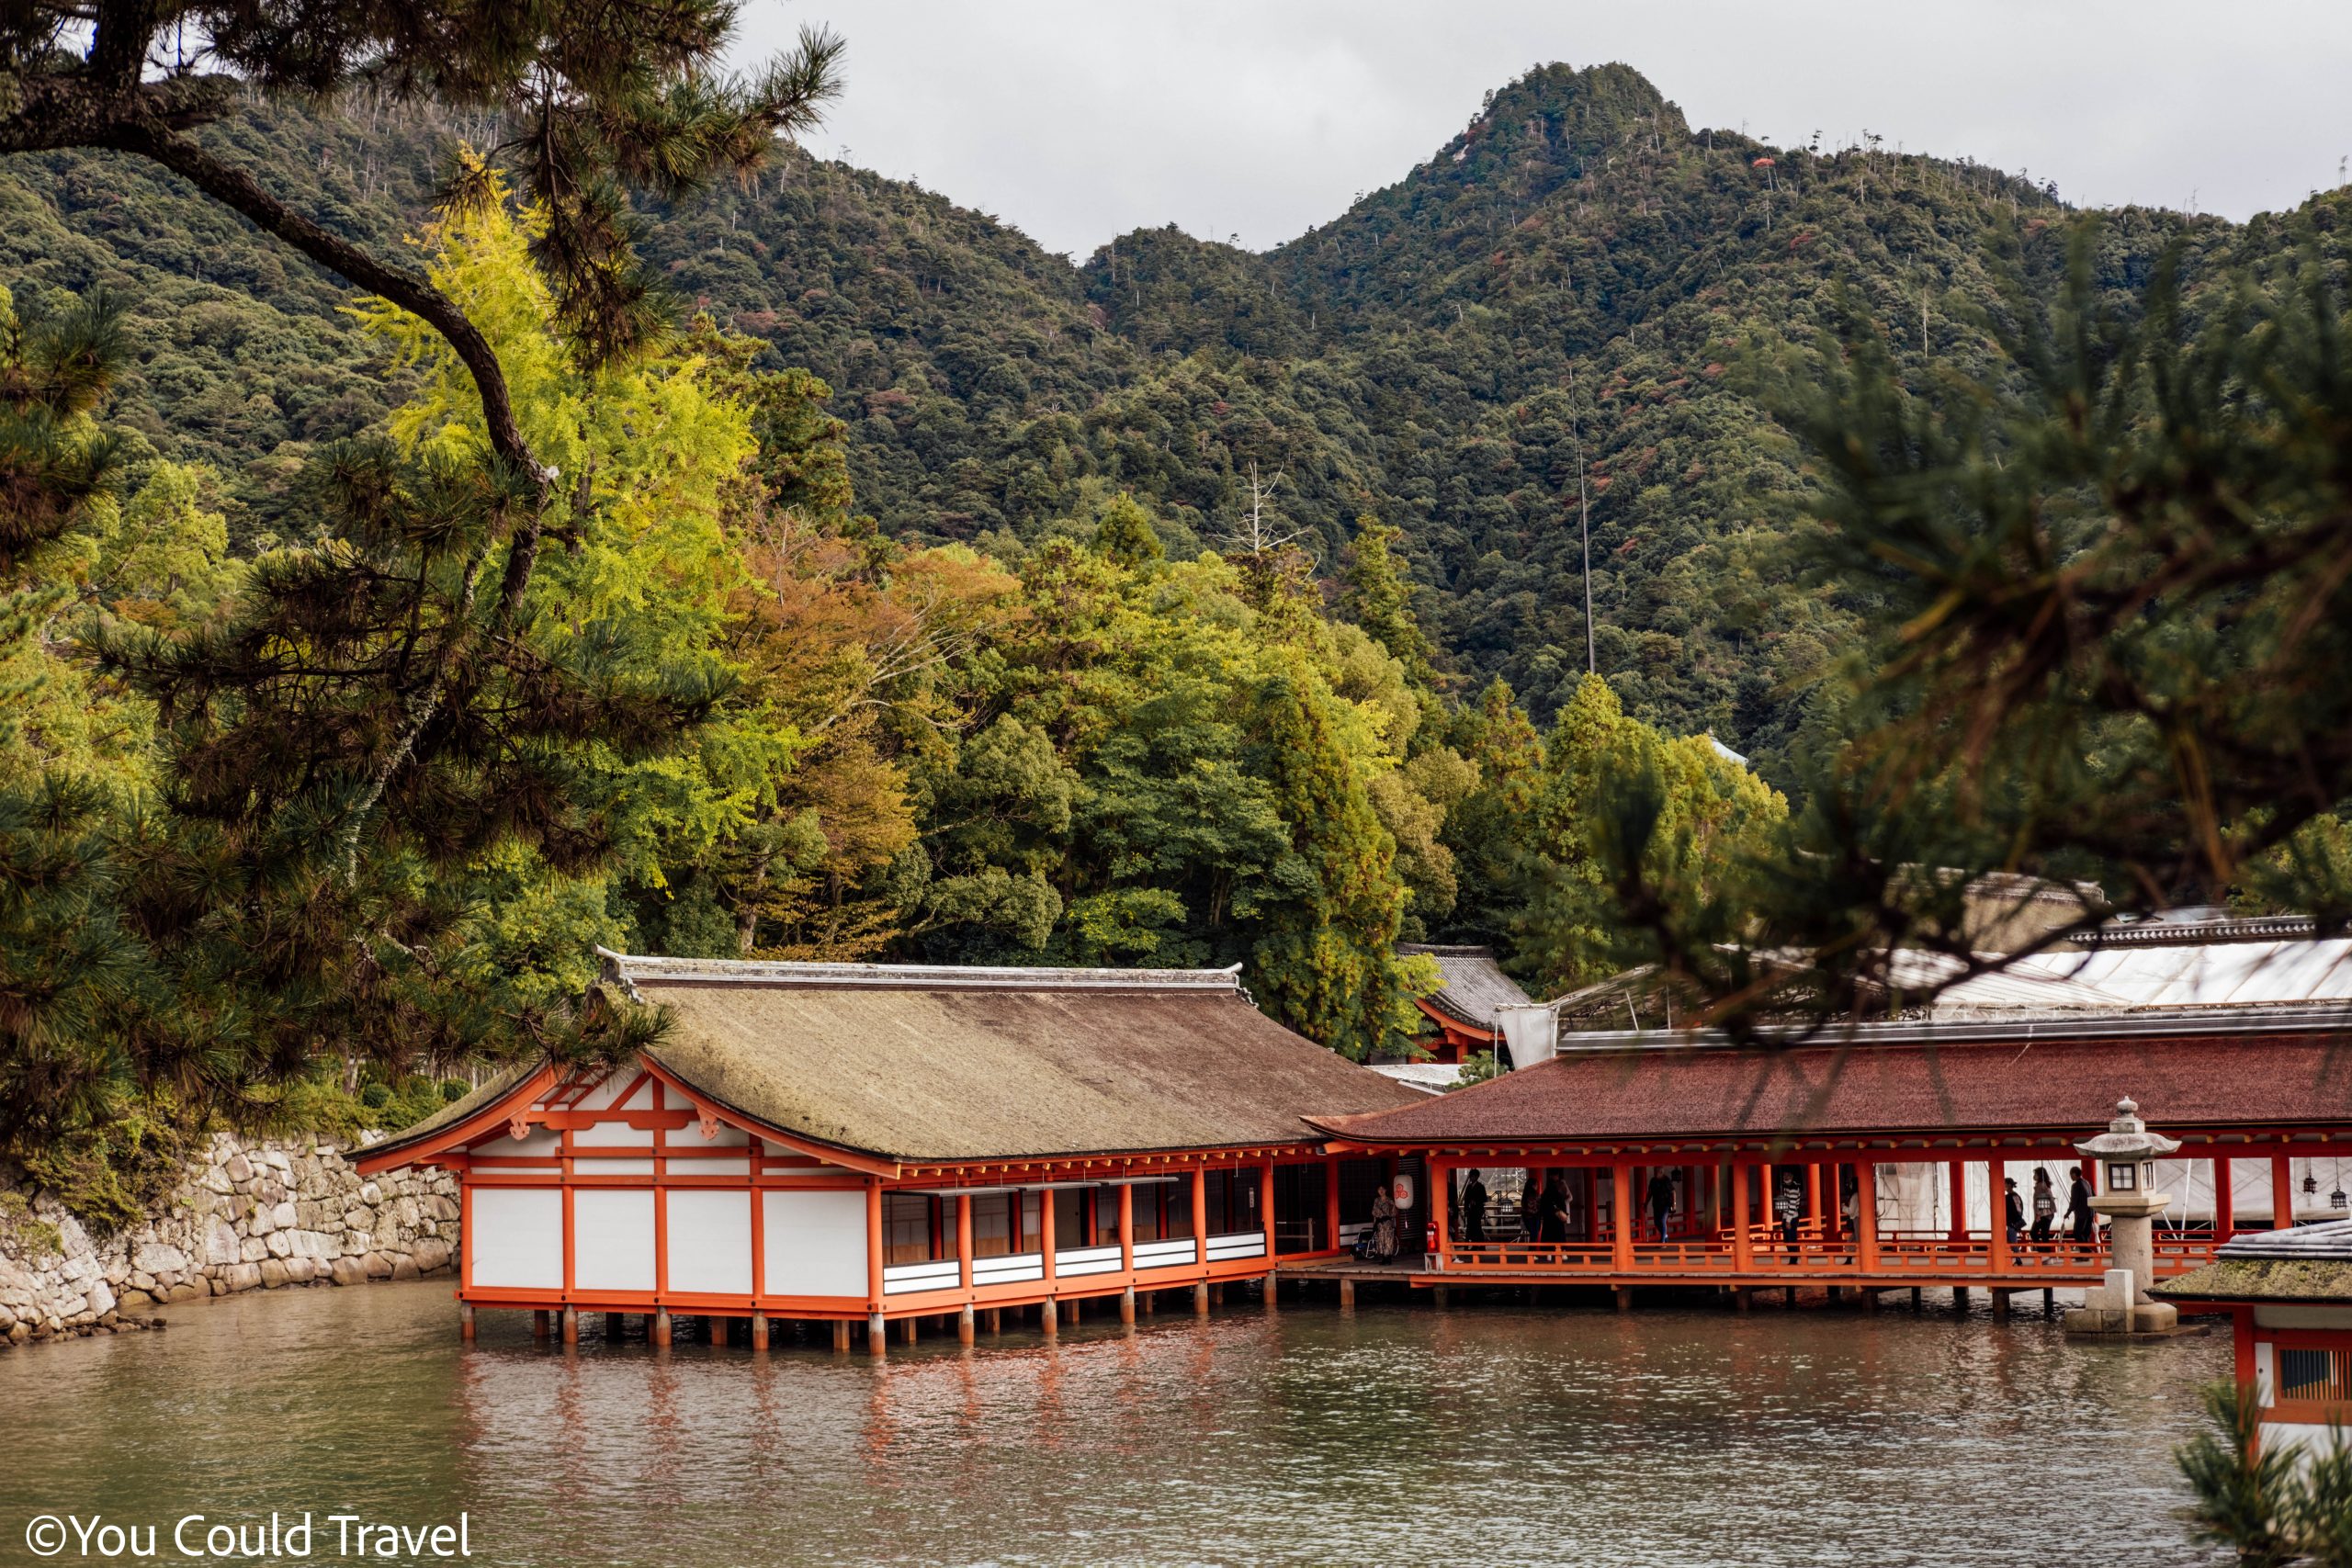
point(1077, 121)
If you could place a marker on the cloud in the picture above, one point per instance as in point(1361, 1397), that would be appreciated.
point(1077, 122)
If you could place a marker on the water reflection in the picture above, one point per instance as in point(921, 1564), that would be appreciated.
point(1486, 1435)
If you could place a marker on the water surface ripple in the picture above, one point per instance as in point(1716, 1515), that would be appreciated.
point(1486, 1435)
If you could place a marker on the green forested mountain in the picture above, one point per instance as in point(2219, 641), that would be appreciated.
point(1578, 263)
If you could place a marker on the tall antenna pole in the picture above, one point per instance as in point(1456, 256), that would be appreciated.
point(1584, 525)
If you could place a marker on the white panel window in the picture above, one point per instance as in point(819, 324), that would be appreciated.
point(516, 1238)
point(612, 1238)
point(815, 1242)
point(710, 1242)
point(612, 1168)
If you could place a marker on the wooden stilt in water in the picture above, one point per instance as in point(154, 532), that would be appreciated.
point(1127, 1305)
point(965, 1326)
point(1743, 1298)
point(2001, 1302)
point(465, 1320)
point(571, 1326)
point(759, 1332)
point(840, 1334)
point(996, 1320)
point(1437, 1297)
point(877, 1335)
point(1071, 1311)
point(1960, 1298)
point(539, 1324)
point(2050, 1294)
point(1624, 1294)
point(1918, 1298)
point(1201, 1301)
point(1049, 1318)
point(1789, 1295)
point(660, 1333)
point(612, 1330)
point(1149, 1301)
point(1347, 1295)
point(906, 1330)
point(1870, 1300)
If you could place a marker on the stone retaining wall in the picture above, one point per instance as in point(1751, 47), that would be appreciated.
point(252, 1214)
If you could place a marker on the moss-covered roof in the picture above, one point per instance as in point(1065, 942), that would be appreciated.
point(2262, 1280)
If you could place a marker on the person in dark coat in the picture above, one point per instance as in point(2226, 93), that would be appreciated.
point(1552, 1210)
point(1474, 1209)
point(1661, 1200)
point(2012, 1210)
point(2078, 1207)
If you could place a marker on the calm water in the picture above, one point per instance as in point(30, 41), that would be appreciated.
point(1486, 1435)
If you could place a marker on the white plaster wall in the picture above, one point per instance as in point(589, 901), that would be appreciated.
point(612, 1238)
point(610, 1134)
point(815, 1242)
point(709, 1234)
point(517, 1240)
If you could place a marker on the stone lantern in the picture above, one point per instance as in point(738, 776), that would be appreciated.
point(2126, 1153)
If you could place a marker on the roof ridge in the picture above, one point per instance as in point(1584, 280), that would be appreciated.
point(629, 968)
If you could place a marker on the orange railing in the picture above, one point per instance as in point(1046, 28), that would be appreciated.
point(1908, 1254)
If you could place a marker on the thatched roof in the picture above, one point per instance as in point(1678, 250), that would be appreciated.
point(937, 1065)
point(2298, 1263)
point(2261, 1279)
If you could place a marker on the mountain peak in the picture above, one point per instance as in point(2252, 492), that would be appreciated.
point(1583, 113)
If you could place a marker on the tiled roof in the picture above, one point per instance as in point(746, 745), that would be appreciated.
point(2051, 1082)
point(1474, 985)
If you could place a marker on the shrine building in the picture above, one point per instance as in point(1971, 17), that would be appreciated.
point(872, 1143)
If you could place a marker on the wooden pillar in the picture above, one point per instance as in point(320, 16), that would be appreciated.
point(906, 1330)
point(1743, 1245)
point(1127, 1233)
point(995, 1320)
point(2225, 1206)
point(1048, 1243)
point(841, 1335)
point(1127, 1305)
point(1621, 1198)
point(965, 1326)
point(874, 1261)
point(877, 1335)
point(1201, 1299)
point(1266, 1207)
point(2000, 1303)
point(1959, 1231)
point(1997, 1256)
point(465, 1320)
point(1813, 1208)
point(1866, 1219)
point(539, 1324)
point(1743, 1298)
point(571, 1326)
point(2282, 1191)
point(660, 1333)
point(1437, 1297)
point(1625, 1298)
point(1201, 1225)
point(1331, 1204)
point(1347, 1295)
point(759, 1333)
point(1441, 1198)
point(964, 1246)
